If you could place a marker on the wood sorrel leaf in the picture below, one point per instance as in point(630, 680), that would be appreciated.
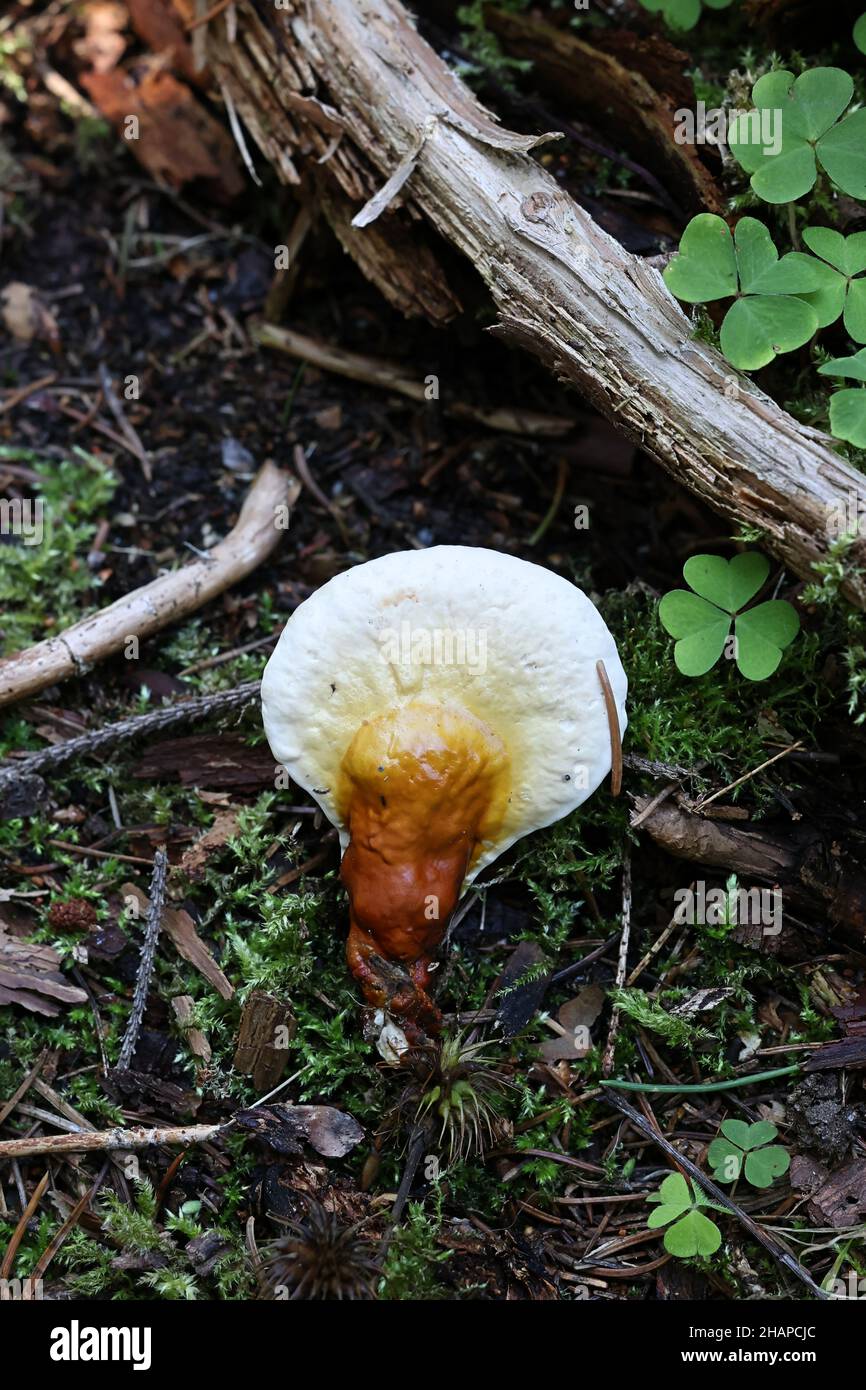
point(762, 634)
point(759, 327)
point(728, 583)
point(695, 1234)
point(701, 627)
point(808, 109)
point(848, 416)
point(706, 267)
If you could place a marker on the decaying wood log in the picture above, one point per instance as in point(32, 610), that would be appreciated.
point(262, 521)
point(348, 85)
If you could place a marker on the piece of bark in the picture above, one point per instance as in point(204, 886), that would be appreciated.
point(395, 256)
point(266, 1028)
point(179, 926)
point(208, 760)
point(165, 600)
point(601, 319)
point(30, 976)
point(582, 75)
point(842, 1199)
point(183, 1008)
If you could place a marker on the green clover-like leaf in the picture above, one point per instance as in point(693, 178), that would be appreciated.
point(848, 408)
point(700, 617)
point(674, 1197)
point(848, 416)
point(693, 1234)
point(728, 583)
point(706, 267)
point(762, 635)
point(741, 1147)
point(682, 14)
point(860, 33)
point(840, 292)
point(808, 108)
point(853, 367)
point(769, 316)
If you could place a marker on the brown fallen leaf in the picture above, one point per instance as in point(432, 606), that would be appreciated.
point(159, 27)
point(180, 928)
point(331, 1132)
point(576, 1016)
point(167, 129)
point(30, 976)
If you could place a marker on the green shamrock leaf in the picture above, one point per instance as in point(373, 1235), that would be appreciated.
point(682, 14)
point(742, 1148)
point(860, 33)
point(700, 620)
point(848, 408)
point(693, 1233)
point(842, 259)
point(811, 135)
point(767, 317)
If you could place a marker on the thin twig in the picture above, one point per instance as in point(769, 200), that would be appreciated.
point(107, 1140)
point(782, 1256)
point(748, 775)
point(607, 1061)
point(137, 726)
point(112, 400)
point(148, 954)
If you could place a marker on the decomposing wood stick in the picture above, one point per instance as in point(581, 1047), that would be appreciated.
point(392, 376)
point(259, 527)
point(598, 317)
point(137, 726)
point(106, 1140)
point(822, 876)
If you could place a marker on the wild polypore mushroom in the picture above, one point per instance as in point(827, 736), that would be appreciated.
point(438, 704)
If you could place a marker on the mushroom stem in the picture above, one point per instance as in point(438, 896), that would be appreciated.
point(425, 785)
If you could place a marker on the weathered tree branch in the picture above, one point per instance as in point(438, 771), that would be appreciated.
point(601, 319)
point(165, 600)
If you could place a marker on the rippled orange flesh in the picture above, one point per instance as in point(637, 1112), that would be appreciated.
point(422, 787)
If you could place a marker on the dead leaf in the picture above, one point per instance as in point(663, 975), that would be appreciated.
point(166, 129)
point(331, 1132)
point(26, 316)
point(576, 1016)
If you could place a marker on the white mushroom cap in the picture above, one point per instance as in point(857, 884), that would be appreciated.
point(509, 642)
